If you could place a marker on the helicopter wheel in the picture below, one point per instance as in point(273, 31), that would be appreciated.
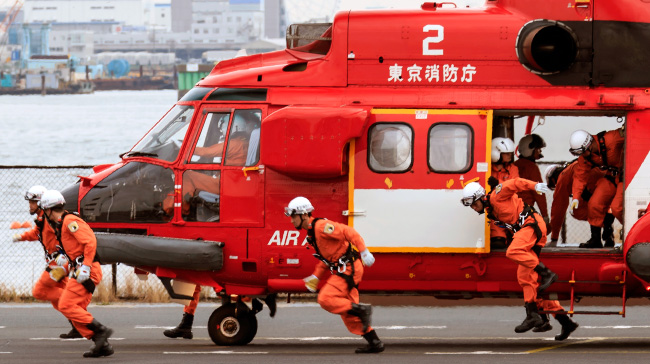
point(226, 328)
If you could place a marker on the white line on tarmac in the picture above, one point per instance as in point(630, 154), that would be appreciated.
point(615, 327)
point(59, 339)
point(395, 327)
point(220, 352)
point(476, 353)
point(313, 338)
point(164, 327)
point(6, 352)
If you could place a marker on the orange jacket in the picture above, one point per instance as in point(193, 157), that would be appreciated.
point(47, 235)
point(235, 155)
point(78, 238)
point(614, 142)
point(509, 171)
point(562, 195)
point(506, 205)
point(529, 170)
point(332, 239)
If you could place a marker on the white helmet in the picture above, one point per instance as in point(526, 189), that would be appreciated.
point(472, 192)
point(51, 198)
point(529, 143)
point(35, 193)
point(579, 142)
point(298, 205)
point(501, 145)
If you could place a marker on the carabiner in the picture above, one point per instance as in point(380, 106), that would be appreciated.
point(343, 264)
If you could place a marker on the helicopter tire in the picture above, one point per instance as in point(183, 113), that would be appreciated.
point(226, 328)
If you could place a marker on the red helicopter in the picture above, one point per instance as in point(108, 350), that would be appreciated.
point(379, 118)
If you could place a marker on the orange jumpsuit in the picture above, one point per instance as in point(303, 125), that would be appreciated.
point(529, 170)
point(562, 197)
point(336, 297)
point(45, 289)
point(78, 239)
point(506, 207)
point(508, 171)
point(236, 152)
point(609, 190)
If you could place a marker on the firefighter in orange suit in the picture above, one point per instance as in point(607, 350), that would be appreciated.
point(505, 208)
point(53, 279)
point(337, 246)
point(79, 245)
point(530, 150)
point(503, 169)
point(603, 151)
point(559, 178)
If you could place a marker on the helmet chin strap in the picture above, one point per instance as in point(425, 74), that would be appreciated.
point(302, 222)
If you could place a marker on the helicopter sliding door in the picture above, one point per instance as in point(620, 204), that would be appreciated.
point(409, 170)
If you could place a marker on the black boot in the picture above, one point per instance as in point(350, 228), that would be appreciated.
point(100, 337)
point(545, 326)
point(270, 303)
point(94, 352)
point(594, 242)
point(532, 318)
point(374, 344)
point(364, 312)
point(568, 326)
point(184, 329)
point(72, 334)
point(547, 277)
point(608, 231)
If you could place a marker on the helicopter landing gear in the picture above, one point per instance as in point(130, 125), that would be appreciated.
point(232, 324)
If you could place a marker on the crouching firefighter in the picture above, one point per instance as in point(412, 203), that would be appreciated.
point(505, 208)
point(337, 246)
point(78, 246)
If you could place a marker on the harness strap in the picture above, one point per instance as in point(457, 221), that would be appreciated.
point(525, 213)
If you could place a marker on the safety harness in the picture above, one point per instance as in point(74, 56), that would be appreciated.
point(525, 213)
point(338, 267)
point(612, 171)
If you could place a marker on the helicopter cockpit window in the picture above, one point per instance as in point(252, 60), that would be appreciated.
point(450, 148)
point(244, 138)
point(209, 147)
point(137, 192)
point(201, 195)
point(311, 38)
point(165, 139)
point(390, 147)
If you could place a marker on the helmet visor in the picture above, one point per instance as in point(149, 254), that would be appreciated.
point(577, 151)
point(467, 201)
point(289, 211)
point(32, 196)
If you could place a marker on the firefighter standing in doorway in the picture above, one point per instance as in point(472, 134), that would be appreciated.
point(78, 245)
point(341, 251)
point(603, 151)
point(54, 278)
point(530, 150)
point(503, 169)
point(504, 207)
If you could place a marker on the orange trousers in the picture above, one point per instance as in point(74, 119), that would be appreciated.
point(548, 305)
point(520, 252)
point(74, 300)
point(191, 307)
point(46, 289)
point(606, 195)
point(335, 297)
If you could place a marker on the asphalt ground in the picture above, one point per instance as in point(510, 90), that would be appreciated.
point(304, 333)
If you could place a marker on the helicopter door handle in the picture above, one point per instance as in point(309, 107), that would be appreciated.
point(259, 168)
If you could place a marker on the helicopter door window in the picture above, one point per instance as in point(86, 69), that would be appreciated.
point(201, 195)
point(390, 147)
point(209, 147)
point(450, 148)
point(244, 138)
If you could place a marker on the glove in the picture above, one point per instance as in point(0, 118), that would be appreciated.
point(574, 205)
point(367, 258)
point(61, 260)
point(15, 237)
point(542, 188)
point(57, 273)
point(311, 283)
point(83, 274)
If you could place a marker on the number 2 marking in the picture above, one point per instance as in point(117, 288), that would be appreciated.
point(437, 39)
